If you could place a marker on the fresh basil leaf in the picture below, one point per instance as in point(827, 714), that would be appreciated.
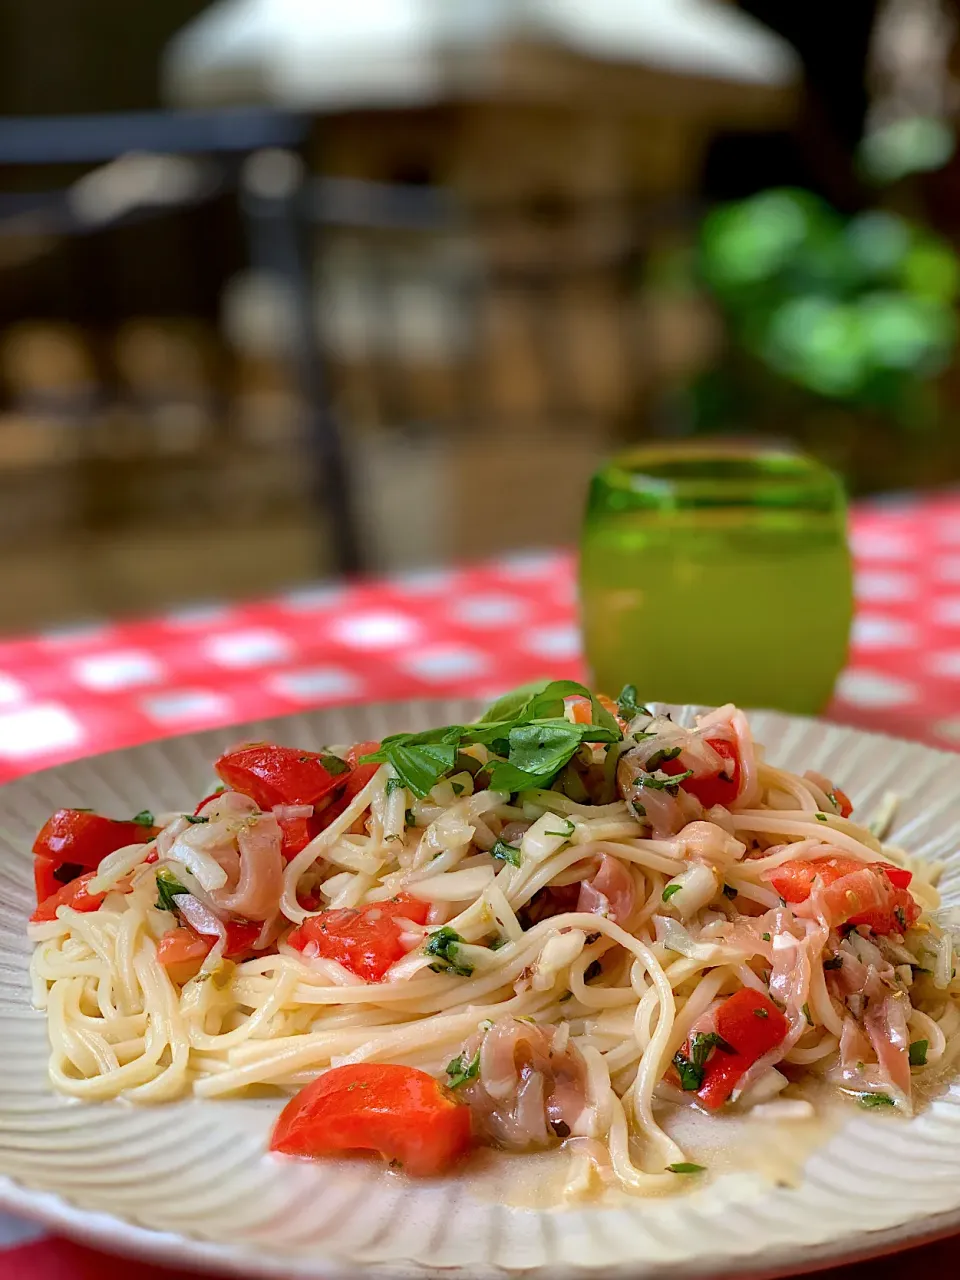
point(168, 886)
point(511, 705)
point(333, 764)
point(444, 944)
point(663, 781)
point(460, 1072)
point(393, 784)
point(918, 1053)
point(144, 818)
point(661, 757)
point(627, 703)
point(684, 1166)
point(702, 1042)
point(504, 852)
point(537, 754)
point(690, 1073)
point(420, 760)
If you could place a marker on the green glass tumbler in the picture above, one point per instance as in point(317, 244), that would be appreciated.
point(716, 573)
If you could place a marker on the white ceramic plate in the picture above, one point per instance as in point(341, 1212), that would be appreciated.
point(189, 1182)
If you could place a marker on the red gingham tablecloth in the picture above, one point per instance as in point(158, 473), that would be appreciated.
point(480, 629)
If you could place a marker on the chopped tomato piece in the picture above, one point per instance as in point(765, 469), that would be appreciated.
point(365, 940)
point(182, 951)
point(751, 1024)
point(272, 775)
point(851, 891)
point(73, 836)
point(50, 875)
point(402, 1113)
point(74, 894)
point(296, 834)
point(844, 802)
point(718, 788)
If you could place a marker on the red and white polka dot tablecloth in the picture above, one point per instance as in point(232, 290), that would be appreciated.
point(477, 629)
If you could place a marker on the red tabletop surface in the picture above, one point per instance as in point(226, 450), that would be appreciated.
point(478, 629)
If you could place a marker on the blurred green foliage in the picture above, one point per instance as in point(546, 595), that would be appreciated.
point(858, 311)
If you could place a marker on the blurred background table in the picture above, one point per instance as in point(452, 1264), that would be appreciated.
point(479, 629)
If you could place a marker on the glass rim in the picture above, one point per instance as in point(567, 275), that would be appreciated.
point(665, 475)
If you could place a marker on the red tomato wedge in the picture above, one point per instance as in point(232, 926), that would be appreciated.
point(296, 834)
point(844, 802)
point(851, 891)
point(84, 839)
point(272, 775)
point(365, 940)
point(718, 788)
point(752, 1025)
point(401, 1112)
point(182, 951)
point(72, 895)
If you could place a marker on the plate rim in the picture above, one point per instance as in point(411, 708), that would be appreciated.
point(118, 1235)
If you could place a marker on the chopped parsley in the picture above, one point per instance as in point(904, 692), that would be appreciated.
point(144, 818)
point(684, 1166)
point(504, 852)
point(333, 764)
point(445, 944)
point(670, 890)
point(168, 886)
point(461, 1071)
point(563, 834)
point(876, 1100)
point(660, 781)
point(918, 1053)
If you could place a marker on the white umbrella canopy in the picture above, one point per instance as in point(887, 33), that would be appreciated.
point(329, 55)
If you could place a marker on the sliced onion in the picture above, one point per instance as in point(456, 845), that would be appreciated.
point(545, 837)
point(557, 954)
point(675, 937)
point(454, 886)
point(199, 917)
point(698, 885)
point(199, 863)
point(118, 864)
point(290, 812)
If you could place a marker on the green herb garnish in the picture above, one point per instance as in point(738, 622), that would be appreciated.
point(627, 703)
point(664, 781)
point(144, 818)
point(661, 757)
point(684, 1166)
point(445, 944)
point(193, 819)
point(876, 1100)
point(918, 1053)
point(333, 764)
point(460, 1071)
point(564, 834)
point(821, 817)
point(393, 784)
point(504, 852)
point(765, 936)
point(806, 1014)
point(457, 788)
point(639, 810)
point(691, 1075)
point(670, 890)
point(761, 1013)
point(168, 886)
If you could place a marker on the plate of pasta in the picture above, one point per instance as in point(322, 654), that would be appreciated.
point(561, 985)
